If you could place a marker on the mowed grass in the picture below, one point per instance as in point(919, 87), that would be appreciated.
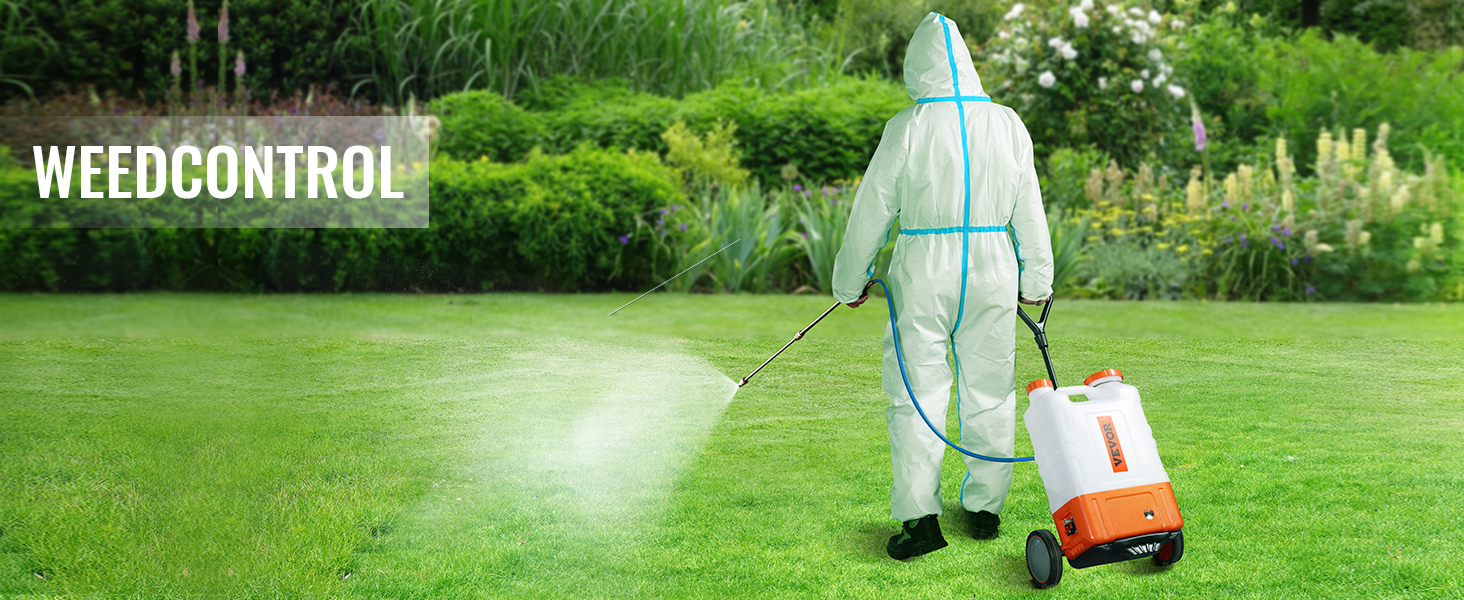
point(526, 446)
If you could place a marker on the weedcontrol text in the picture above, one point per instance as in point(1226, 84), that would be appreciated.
point(154, 171)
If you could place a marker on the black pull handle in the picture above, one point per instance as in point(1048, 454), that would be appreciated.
point(1039, 334)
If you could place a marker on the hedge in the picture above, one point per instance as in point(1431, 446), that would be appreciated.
point(829, 133)
point(549, 222)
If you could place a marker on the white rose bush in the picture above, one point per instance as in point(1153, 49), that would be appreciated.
point(1090, 74)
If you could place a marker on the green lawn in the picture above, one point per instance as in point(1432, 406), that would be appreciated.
point(528, 446)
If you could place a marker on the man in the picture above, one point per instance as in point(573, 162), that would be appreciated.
point(957, 172)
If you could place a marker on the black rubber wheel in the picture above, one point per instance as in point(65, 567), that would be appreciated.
point(1044, 559)
point(1170, 552)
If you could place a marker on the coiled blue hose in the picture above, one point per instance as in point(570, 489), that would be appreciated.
point(900, 359)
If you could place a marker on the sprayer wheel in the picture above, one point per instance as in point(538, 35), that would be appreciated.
point(1170, 552)
point(1044, 559)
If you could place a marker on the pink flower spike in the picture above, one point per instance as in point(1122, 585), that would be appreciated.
point(224, 22)
point(239, 64)
point(177, 67)
point(1199, 126)
point(192, 24)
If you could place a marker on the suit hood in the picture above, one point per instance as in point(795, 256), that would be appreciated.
point(937, 60)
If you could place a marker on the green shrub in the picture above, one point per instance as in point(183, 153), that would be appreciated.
point(1313, 84)
point(827, 132)
point(705, 159)
point(610, 116)
point(550, 222)
point(484, 124)
point(576, 223)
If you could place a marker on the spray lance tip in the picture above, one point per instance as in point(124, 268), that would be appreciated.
point(742, 382)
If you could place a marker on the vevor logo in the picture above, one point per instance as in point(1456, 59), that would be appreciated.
point(1110, 440)
point(1143, 549)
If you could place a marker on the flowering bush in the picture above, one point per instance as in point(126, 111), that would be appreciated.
point(1360, 229)
point(1089, 75)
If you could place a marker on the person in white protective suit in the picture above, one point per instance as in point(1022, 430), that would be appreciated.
point(957, 172)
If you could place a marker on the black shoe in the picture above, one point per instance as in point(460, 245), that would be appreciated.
point(984, 525)
point(920, 536)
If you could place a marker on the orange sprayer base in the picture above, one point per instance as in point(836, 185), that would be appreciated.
point(1103, 517)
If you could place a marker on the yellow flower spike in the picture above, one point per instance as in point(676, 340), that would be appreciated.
point(483, 158)
point(416, 165)
point(1206, 252)
point(1163, 246)
point(1182, 248)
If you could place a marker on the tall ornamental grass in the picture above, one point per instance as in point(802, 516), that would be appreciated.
point(426, 48)
point(20, 37)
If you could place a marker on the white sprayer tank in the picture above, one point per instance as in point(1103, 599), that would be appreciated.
point(1098, 462)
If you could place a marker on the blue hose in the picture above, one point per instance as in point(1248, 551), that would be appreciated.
point(900, 360)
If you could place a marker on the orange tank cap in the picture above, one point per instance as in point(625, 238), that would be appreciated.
point(1104, 373)
point(1040, 383)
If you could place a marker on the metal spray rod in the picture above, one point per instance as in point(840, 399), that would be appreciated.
point(798, 336)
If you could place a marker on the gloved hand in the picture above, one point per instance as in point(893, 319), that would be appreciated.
point(1022, 300)
point(862, 297)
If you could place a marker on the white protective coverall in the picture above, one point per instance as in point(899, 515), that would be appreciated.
point(956, 170)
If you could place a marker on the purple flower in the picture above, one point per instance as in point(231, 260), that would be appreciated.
point(294, 110)
point(804, 234)
point(665, 211)
point(1286, 231)
point(660, 222)
point(1242, 237)
point(1311, 290)
point(1224, 204)
point(1306, 259)
point(624, 239)
point(1275, 228)
point(797, 187)
point(192, 24)
point(1229, 239)
point(1278, 243)
point(836, 189)
point(827, 191)
point(1245, 206)
point(1232, 217)
point(1198, 125)
point(239, 64)
point(683, 226)
point(177, 67)
point(1293, 262)
point(807, 193)
point(224, 22)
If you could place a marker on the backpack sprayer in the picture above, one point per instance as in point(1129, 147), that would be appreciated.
point(1110, 497)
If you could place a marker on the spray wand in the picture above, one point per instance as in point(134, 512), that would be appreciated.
point(799, 336)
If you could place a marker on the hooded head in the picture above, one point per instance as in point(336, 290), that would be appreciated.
point(936, 46)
